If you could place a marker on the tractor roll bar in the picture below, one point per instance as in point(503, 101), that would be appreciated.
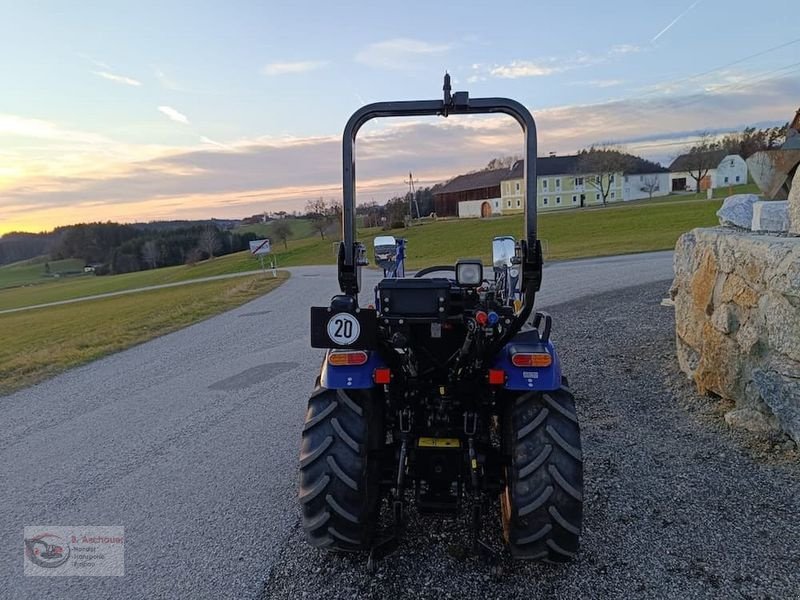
point(458, 103)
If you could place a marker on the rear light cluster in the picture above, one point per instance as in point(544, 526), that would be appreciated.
point(531, 359)
point(346, 358)
point(355, 358)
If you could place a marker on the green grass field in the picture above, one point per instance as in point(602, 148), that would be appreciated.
point(40, 343)
point(587, 232)
point(34, 271)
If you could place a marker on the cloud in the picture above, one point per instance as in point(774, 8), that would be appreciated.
point(285, 68)
point(599, 83)
point(624, 49)
point(399, 53)
point(523, 68)
point(249, 176)
point(117, 78)
point(542, 67)
point(174, 114)
point(207, 140)
point(674, 21)
point(24, 127)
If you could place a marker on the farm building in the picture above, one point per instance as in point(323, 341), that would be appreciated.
point(717, 167)
point(480, 193)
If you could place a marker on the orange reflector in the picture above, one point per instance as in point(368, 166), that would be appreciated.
point(536, 359)
point(497, 376)
point(343, 358)
point(382, 376)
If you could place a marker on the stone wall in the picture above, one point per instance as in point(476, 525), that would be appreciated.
point(737, 316)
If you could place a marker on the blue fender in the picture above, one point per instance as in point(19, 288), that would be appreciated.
point(529, 378)
point(354, 377)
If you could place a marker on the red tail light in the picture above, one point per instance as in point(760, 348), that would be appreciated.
point(382, 376)
point(343, 358)
point(497, 377)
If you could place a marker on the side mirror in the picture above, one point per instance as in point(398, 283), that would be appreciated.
point(385, 247)
point(503, 251)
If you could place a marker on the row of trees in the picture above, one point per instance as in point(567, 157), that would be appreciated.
point(117, 248)
point(17, 245)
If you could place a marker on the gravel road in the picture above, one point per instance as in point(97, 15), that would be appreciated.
point(676, 505)
point(190, 442)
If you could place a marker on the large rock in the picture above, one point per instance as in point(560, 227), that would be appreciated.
point(737, 322)
point(782, 395)
point(751, 420)
point(737, 211)
point(771, 216)
point(794, 205)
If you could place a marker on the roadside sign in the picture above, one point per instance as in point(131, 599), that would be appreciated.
point(259, 247)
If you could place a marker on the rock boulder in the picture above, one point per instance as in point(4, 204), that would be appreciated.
point(737, 211)
point(737, 323)
point(771, 216)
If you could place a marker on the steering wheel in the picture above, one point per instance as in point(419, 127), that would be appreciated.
point(427, 270)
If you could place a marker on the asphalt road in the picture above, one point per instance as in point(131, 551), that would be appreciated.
point(190, 442)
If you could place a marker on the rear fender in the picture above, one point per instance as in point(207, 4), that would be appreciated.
point(350, 377)
point(529, 378)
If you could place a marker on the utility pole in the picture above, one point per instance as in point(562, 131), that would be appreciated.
point(412, 194)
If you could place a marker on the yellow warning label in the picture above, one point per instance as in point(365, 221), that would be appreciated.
point(429, 442)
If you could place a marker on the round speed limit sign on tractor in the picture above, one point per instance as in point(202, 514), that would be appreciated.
point(343, 329)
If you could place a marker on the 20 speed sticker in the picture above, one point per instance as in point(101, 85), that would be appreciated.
point(343, 329)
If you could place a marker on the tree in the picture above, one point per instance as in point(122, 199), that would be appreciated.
point(650, 185)
point(208, 241)
point(283, 231)
point(700, 158)
point(396, 213)
point(151, 253)
point(318, 212)
point(502, 162)
point(194, 256)
point(601, 165)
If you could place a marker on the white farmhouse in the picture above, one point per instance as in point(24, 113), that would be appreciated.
point(645, 179)
point(732, 170)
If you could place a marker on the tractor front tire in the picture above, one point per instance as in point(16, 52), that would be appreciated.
point(338, 478)
point(542, 503)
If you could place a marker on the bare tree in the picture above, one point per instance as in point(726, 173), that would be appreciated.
point(701, 158)
point(601, 166)
point(650, 185)
point(502, 162)
point(151, 253)
point(209, 241)
point(319, 212)
point(283, 231)
point(194, 256)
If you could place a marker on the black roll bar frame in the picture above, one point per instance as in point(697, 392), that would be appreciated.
point(458, 103)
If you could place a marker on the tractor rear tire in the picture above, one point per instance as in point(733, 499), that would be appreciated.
point(338, 477)
point(542, 503)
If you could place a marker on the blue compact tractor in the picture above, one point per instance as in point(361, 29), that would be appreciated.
point(442, 390)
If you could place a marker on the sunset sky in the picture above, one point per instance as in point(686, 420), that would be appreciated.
point(136, 111)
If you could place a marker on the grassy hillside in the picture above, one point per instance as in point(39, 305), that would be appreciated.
point(34, 270)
